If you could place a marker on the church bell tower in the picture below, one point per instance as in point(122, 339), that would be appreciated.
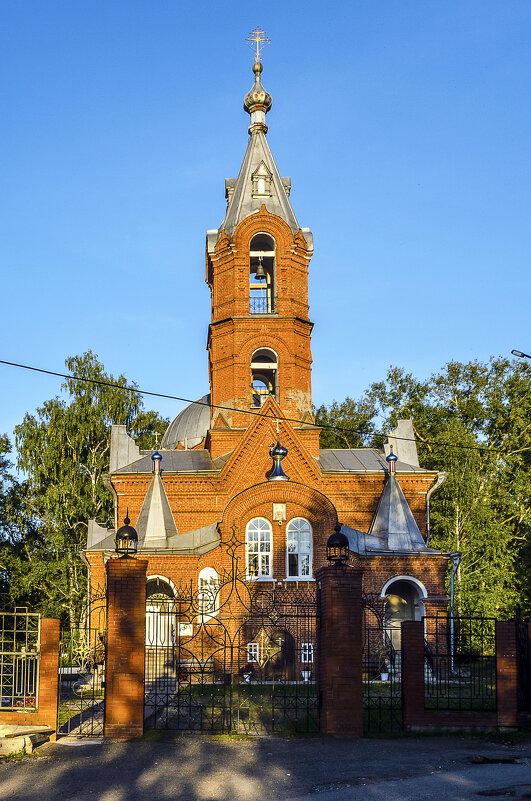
point(257, 271)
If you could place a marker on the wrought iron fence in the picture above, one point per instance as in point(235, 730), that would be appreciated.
point(243, 661)
point(81, 682)
point(20, 640)
point(381, 672)
point(460, 663)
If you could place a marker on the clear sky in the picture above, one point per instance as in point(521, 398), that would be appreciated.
point(405, 128)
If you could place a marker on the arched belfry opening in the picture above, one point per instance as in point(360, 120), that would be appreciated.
point(262, 274)
point(264, 369)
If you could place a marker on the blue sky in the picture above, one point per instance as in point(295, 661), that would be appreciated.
point(405, 128)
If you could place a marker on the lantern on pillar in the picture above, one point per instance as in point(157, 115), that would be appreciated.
point(126, 540)
point(337, 549)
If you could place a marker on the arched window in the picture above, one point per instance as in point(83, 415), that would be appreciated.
point(208, 593)
point(262, 274)
point(264, 367)
point(299, 549)
point(258, 548)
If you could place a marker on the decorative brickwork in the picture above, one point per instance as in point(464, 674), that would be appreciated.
point(126, 622)
point(340, 650)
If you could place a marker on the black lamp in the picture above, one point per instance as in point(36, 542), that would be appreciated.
point(337, 549)
point(126, 538)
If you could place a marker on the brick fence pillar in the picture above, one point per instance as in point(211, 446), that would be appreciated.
point(124, 671)
point(507, 673)
point(49, 673)
point(412, 660)
point(340, 646)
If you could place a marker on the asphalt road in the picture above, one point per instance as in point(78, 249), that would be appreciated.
point(321, 769)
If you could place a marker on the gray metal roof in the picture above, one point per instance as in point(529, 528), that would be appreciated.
point(198, 461)
point(242, 203)
point(337, 460)
point(200, 540)
point(360, 460)
point(190, 426)
point(393, 524)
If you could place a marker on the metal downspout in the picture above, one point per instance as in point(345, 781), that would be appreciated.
point(456, 561)
point(439, 481)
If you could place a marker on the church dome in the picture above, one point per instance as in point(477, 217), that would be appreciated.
point(190, 426)
point(257, 96)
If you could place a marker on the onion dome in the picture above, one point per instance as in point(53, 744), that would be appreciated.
point(257, 102)
point(277, 453)
point(156, 458)
point(190, 426)
point(391, 461)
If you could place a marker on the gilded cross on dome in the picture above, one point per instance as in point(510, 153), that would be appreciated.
point(259, 40)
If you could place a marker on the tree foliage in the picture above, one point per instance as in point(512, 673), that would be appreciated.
point(63, 449)
point(474, 422)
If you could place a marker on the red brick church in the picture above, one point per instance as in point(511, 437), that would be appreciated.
point(243, 464)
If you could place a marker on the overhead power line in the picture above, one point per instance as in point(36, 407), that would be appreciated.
point(241, 411)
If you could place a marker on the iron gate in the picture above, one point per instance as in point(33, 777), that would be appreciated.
point(382, 675)
point(81, 706)
point(20, 643)
point(235, 656)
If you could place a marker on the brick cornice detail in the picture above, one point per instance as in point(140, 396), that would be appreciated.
point(316, 505)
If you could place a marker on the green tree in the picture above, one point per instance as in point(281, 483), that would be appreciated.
point(474, 422)
point(64, 451)
point(349, 424)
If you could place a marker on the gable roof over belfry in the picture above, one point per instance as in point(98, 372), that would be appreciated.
point(242, 202)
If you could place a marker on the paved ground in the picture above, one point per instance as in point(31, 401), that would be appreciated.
point(202, 769)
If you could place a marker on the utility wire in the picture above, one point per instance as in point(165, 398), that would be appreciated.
point(242, 411)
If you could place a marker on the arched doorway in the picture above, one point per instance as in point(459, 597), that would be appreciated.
point(403, 601)
point(160, 613)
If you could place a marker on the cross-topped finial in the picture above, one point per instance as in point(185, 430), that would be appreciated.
point(259, 40)
point(156, 436)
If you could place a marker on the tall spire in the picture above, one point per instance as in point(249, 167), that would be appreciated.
point(257, 102)
point(259, 182)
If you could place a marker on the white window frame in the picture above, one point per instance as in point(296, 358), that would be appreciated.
point(307, 651)
point(253, 652)
point(207, 593)
point(299, 576)
point(261, 552)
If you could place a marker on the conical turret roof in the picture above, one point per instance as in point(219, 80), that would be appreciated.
point(393, 524)
point(155, 523)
